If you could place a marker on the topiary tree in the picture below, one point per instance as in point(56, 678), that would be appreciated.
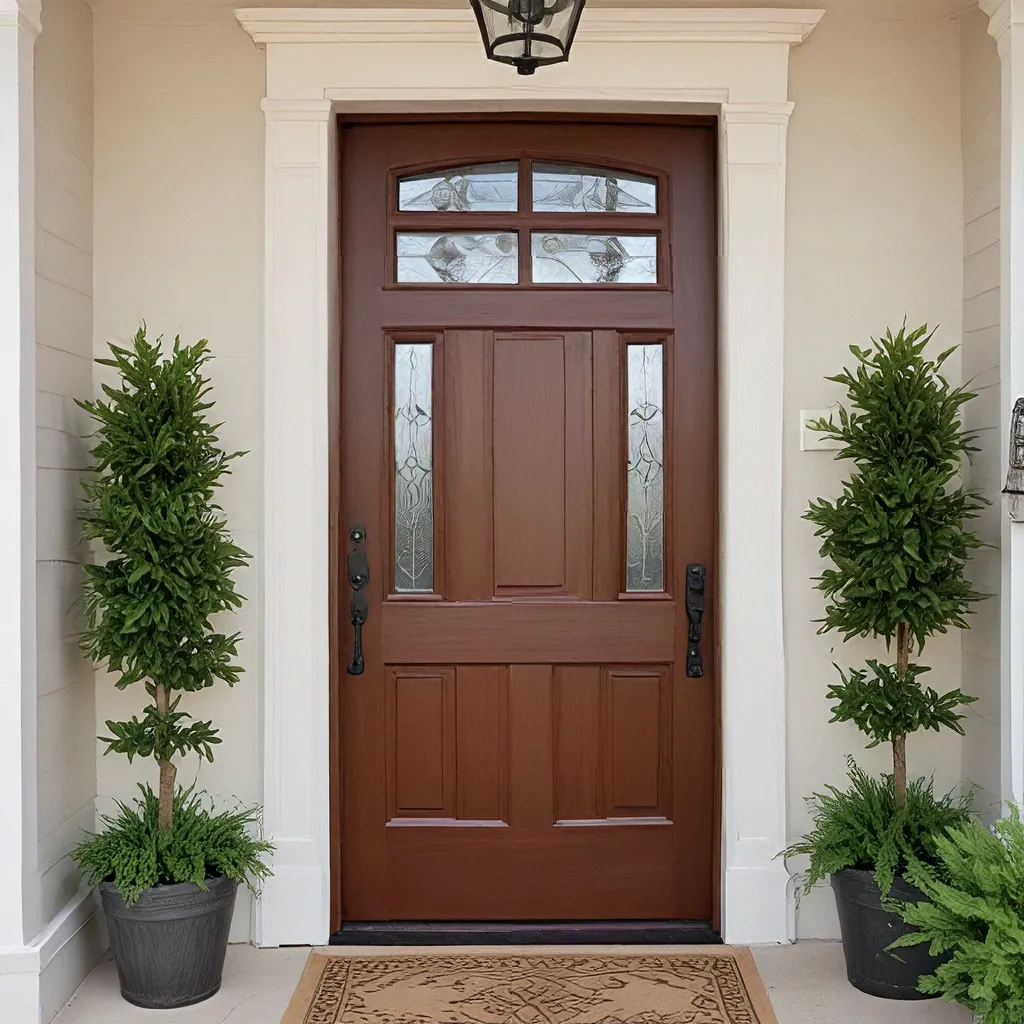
point(151, 504)
point(897, 536)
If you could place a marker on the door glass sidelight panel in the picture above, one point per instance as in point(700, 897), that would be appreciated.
point(563, 188)
point(481, 189)
point(414, 468)
point(567, 258)
point(645, 472)
point(430, 258)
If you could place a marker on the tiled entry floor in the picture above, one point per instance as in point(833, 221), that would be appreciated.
point(806, 982)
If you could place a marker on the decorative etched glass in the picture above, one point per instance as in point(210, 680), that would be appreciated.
point(486, 188)
point(645, 474)
point(458, 259)
point(414, 469)
point(594, 259)
point(561, 188)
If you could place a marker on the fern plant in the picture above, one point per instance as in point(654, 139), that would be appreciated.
point(862, 827)
point(135, 853)
point(151, 504)
point(976, 914)
point(898, 536)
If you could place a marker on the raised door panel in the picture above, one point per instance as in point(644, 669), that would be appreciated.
point(482, 742)
point(420, 730)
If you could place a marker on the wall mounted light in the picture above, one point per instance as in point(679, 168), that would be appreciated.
point(528, 34)
point(1014, 489)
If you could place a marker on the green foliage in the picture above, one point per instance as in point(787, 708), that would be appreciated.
point(884, 706)
point(896, 535)
point(976, 911)
point(156, 732)
point(861, 827)
point(135, 853)
point(151, 505)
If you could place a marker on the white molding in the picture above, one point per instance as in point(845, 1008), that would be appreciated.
point(603, 25)
point(1006, 25)
point(1002, 14)
point(18, 686)
point(37, 979)
point(27, 14)
point(396, 69)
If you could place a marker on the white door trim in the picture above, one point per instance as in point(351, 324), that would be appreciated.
point(322, 62)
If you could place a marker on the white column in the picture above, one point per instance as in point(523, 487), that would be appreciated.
point(301, 293)
point(19, 26)
point(756, 906)
point(1006, 24)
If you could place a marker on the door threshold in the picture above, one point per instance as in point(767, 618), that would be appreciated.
point(525, 933)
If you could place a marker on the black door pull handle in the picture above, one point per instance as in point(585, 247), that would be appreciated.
point(696, 576)
point(358, 579)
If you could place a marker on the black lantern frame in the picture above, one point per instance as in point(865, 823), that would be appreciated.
point(540, 32)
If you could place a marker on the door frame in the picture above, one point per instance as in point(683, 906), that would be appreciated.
point(340, 592)
point(729, 63)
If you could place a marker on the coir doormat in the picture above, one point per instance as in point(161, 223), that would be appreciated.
point(714, 985)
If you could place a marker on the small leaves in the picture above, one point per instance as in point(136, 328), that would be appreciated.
point(135, 854)
point(149, 607)
point(975, 912)
point(861, 827)
point(896, 535)
point(883, 705)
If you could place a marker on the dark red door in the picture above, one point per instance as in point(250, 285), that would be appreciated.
point(528, 437)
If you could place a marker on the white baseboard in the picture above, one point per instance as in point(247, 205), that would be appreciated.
point(758, 906)
point(37, 979)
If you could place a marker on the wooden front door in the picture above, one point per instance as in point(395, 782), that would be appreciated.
point(528, 409)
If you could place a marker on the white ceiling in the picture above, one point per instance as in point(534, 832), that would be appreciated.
point(888, 9)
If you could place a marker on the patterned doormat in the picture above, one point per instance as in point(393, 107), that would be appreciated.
point(712, 985)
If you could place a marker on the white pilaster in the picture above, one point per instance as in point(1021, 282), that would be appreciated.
point(300, 270)
point(1006, 24)
point(19, 26)
point(756, 905)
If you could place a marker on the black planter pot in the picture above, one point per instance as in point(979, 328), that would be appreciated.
point(868, 928)
point(169, 948)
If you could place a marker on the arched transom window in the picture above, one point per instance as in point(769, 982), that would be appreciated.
point(529, 223)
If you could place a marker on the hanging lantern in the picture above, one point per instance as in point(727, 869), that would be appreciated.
point(528, 33)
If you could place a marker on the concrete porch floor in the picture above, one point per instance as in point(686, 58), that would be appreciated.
point(806, 982)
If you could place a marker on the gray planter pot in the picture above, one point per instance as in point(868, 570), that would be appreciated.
point(169, 948)
point(868, 929)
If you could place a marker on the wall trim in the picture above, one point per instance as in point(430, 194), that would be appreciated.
point(1006, 25)
point(27, 14)
point(40, 977)
point(731, 63)
point(682, 25)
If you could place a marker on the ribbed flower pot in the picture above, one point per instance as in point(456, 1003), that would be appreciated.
point(868, 929)
point(169, 948)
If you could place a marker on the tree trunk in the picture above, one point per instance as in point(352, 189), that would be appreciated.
point(899, 743)
point(167, 769)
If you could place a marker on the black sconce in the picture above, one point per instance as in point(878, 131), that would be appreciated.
point(1014, 489)
point(528, 34)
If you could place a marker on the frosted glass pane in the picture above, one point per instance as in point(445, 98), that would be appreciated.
point(594, 259)
point(414, 469)
point(561, 188)
point(645, 476)
point(488, 187)
point(458, 259)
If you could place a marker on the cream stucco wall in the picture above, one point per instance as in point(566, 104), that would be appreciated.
point(66, 694)
point(179, 172)
point(875, 232)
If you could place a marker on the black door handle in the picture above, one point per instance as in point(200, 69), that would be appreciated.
point(696, 575)
point(358, 579)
